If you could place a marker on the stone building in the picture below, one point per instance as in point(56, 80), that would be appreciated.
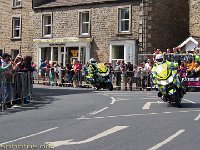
point(194, 23)
point(63, 30)
point(16, 27)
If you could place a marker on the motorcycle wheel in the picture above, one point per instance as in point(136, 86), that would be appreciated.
point(177, 100)
point(110, 86)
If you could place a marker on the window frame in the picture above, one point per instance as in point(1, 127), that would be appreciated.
point(14, 28)
point(15, 3)
point(81, 23)
point(119, 20)
point(48, 25)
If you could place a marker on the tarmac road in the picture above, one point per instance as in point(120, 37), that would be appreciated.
point(84, 119)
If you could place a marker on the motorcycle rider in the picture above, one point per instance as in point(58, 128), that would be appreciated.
point(92, 69)
point(172, 67)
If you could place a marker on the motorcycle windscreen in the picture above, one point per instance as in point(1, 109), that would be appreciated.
point(163, 72)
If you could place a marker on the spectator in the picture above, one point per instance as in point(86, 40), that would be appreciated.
point(148, 66)
point(130, 75)
point(118, 74)
point(123, 69)
point(76, 72)
point(8, 74)
point(137, 73)
point(43, 70)
point(196, 70)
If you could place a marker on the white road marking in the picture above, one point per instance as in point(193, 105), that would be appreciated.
point(28, 136)
point(113, 100)
point(167, 112)
point(167, 140)
point(123, 99)
point(189, 101)
point(197, 118)
point(96, 112)
point(148, 104)
point(96, 137)
point(150, 98)
point(131, 115)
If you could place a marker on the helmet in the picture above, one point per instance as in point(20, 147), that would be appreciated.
point(159, 58)
point(93, 61)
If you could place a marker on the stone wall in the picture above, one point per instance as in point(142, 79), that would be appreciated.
point(103, 25)
point(169, 23)
point(194, 22)
point(25, 44)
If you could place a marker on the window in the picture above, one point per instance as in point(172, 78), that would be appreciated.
point(124, 19)
point(1, 52)
point(16, 3)
point(47, 25)
point(14, 53)
point(84, 23)
point(16, 24)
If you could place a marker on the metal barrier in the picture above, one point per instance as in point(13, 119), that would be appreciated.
point(15, 88)
point(123, 81)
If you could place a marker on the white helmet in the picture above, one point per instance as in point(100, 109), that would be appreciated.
point(159, 58)
point(93, 61)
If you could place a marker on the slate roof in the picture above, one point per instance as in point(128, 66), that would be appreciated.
point(67, 3)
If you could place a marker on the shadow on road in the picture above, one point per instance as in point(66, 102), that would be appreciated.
point(190, 105)
point(43, 96)
point(40, 91)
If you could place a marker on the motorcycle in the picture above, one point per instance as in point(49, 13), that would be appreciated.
point(101, 79)
point(169, 88)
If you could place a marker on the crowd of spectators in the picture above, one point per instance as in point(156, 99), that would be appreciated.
point(69, 74)
point(123, 75)
point(9, 71)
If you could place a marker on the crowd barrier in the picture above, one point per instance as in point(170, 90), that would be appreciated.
point(15, 89)
point(121, 80)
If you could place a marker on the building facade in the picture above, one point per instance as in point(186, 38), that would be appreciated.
point(108, 30)
point(194, 24)
point(105, 30)
point(16, 27)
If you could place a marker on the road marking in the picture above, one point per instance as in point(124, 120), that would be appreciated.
point(197, 118)
point(167, 112)
point(167, 140)
point(189, 101)
point(123, 99)
point(131, 115)
point(150, 98)
point(28, 136)
point(98, 136)
point(96, 112)
point(148, 104)
point(113, 100)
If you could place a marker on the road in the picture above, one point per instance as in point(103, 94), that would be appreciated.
point(84, 119)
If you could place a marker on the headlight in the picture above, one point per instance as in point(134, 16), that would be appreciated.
point(166, 82)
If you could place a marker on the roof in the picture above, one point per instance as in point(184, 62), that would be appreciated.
point(67, 3)
point(188, 40)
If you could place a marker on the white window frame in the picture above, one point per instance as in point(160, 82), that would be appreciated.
point(119, 10)
point(46, 25)
point(17, 3)
point(81, 23)
point(16, 28)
